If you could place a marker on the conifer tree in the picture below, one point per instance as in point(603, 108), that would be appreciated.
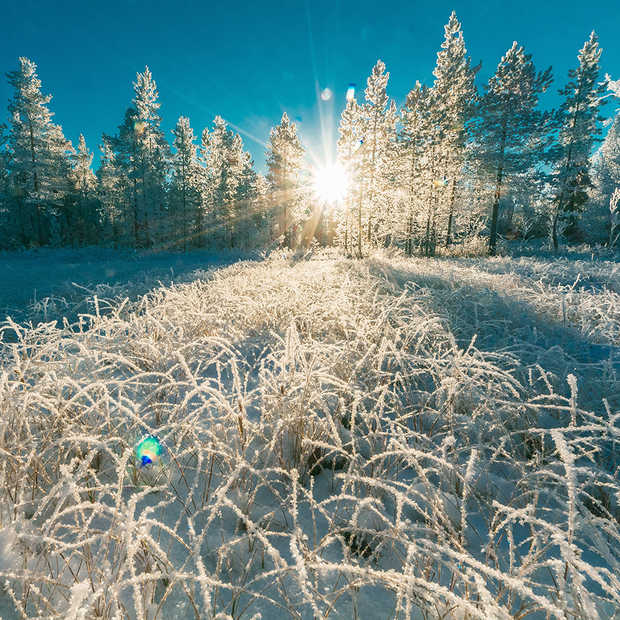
point(455, 95)
point(284, 162)
point(511, 133)
point(109, 195)
point(39, 166)
point(415, 138)
point(379, 121)
point(186, 178)
point(152, 155)
point(123, 168)
point(222, 154)
point(349, 228)
point(82, 216)
point(579, 126)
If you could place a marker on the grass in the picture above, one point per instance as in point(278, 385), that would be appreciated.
point(387, 438)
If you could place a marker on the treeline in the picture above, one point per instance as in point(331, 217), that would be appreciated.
point(454, 165)
point(459, 164)
point(146, 192)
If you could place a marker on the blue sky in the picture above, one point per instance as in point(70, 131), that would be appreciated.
point(251, 61)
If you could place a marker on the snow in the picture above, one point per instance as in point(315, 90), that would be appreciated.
point(465, 429)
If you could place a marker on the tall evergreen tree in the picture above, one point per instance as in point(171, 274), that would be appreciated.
point(511, 131)
point(578, 121)
point(109, 195)
point(379, 118)
point(186, 178)
point(39, 166)
point(455, 95)
point(151, 161)
point(284, 162)
point(349, 227)
point(82, 217)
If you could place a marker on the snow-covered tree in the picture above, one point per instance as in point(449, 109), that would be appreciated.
point(414, 141)
point(151, 160)
point(185, 187)
point(109, 195)
point(349, 226)
point(223, 158)
point(284, 162)
point(81, 212)
point(39, 165)
point(579, 125)
point(511, 132)
point(379, 137)
point(123, 170)
point(455, 94)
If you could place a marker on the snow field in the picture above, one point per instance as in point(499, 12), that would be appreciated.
point(337, 444)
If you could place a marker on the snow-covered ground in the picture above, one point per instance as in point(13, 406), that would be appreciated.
point(387, 438)
point(47, 283)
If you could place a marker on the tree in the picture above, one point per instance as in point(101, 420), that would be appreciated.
point(578, 122)
point(186, 178)
point(109, 194)
point(81, 213)
point(151, 160)
point(222, 155)
point(39, 167)
point(415, 137)
point(379, 131)
point(349, 141)
point(511, 131)
point(455, 95)
point(284, 162)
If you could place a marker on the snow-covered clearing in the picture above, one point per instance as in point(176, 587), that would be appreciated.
point(387, 438)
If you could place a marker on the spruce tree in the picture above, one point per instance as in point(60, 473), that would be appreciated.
point(349, 227)
point(578, 121)
point(83, 218)
point(455, 95)
point(284, 162)
point(39, 166)
point(186, 177)
point(511, 132)
point(151, 161)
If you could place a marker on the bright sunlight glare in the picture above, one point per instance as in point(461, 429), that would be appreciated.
point(331, 183)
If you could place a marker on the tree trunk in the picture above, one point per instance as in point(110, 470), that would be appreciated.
point(498, 189)
point(451, 213)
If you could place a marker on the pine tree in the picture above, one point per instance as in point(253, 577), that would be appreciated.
point(222, 154)
point(379, 121)
point(186, 178)
point(511, 132)
point(109, 194)
point(39, 166)
point(455, 95)
point(124, 170)
point(349, 141)
point(284, 161)
point(152, 155)
point(579, 125)
point(83, 218)
point(414, 142)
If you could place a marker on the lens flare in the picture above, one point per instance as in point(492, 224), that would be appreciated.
point(326, 94)
point(331, 183)
point(148, 451)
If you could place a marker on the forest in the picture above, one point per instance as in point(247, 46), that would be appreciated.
point(458, 164)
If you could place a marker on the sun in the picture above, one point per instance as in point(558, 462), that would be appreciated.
point(331, 183)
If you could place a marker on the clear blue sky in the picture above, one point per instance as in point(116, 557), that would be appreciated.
point(250, 61)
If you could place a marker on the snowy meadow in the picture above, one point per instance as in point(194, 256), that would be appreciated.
point(382, 438)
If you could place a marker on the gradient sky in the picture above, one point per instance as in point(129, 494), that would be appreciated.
point(251, 61)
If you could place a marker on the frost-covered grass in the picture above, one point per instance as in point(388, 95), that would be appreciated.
point(337, 445)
